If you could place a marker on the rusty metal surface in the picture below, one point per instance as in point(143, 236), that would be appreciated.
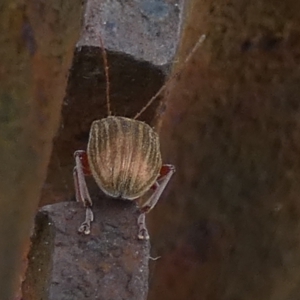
point(141, 39)
point(110, 263)
point(37, 42)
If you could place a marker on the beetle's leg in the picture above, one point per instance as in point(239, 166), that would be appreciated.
point(81, 191)
point(166, 173)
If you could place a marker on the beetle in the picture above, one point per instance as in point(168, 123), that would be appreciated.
point(123, 155)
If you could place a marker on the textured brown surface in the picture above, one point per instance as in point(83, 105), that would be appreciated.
point(110, 263)
point(231, 128)
point(37, 41)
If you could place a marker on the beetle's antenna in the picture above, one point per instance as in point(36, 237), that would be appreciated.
point(200, 41)
point(104, 56)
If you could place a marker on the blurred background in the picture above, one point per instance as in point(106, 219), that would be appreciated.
point(227, 227)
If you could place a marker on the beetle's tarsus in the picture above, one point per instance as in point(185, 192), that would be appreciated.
point(85, 227)
point(143, 232)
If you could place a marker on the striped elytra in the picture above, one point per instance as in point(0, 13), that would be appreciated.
point(124, 156)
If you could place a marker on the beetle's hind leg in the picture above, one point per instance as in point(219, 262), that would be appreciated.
point(81, 191)
point(166, 173)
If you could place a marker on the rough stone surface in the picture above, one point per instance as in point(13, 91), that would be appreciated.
point(141, 39)
point(110, 263)
point(146, 30)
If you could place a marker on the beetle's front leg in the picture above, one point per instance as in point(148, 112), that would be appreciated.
point(82, 194)
point(166, 173)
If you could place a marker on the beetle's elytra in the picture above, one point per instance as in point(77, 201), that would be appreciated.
point(124, 156)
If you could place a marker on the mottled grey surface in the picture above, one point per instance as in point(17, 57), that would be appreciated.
point(146, 29)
